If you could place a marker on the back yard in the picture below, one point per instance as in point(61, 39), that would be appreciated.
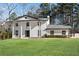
point(40, 47)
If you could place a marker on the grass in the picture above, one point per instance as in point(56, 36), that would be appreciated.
point(41, 47)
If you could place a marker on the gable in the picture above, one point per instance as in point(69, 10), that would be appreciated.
point(29, 18)
point(25, 18)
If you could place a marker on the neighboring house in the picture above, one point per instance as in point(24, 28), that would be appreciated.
point(28, 26)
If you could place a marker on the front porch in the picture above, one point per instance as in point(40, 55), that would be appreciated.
point(21, 31)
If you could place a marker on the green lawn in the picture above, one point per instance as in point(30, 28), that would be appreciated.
point(41, 47)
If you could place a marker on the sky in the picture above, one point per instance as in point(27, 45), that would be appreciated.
point(19, 9)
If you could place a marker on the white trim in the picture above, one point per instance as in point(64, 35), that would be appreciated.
point(13, 31)
point(30, 28)
point(21, 30)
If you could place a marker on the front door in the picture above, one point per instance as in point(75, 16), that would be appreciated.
point(27, 33)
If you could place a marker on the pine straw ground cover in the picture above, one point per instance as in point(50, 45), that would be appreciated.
point(40, 47)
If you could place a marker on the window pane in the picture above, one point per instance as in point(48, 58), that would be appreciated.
point(16, 24)
point(38, 33)
point(39, 23)
point(16, 32)
point(27, 33)
point(52, 32)
point(63, 32)
point(27, 24)
point(25, 17)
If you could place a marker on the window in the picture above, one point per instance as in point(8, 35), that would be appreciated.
point(39, 23)
point(25, 17)
point(27, 33)
point(27, 24)
point(52, 32)
point(16, 32)
point(63, 32)
point(16, 24)
point(9, 29)
point(39, 33)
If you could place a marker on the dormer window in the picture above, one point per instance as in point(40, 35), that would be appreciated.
point(16, 24)
point(27, 24)
point(25, 17)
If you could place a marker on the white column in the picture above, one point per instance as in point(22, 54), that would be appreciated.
point(30, 28)
point(67, 32)
point(13, 31)
point(21, 30)
point(40, 28)
point(48, 18)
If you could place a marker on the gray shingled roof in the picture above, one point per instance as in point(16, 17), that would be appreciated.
point(58, 27)
point(34, 18)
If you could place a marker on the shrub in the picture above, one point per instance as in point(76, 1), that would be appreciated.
point(54, 36)
point(5, 35)
point(57, 36)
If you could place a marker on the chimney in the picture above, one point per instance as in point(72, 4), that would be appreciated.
point(48, 20)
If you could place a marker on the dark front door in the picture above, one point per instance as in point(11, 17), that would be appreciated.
point(27, 33)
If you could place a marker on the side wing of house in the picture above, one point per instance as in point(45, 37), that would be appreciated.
point(58, 30)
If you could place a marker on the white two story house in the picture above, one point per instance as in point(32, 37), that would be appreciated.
point(28, 26)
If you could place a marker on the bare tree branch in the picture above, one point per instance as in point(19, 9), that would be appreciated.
point(11, 7)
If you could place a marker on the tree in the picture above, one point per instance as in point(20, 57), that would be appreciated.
point(12, 16)
point(68, 11)
point(45, 8)
point(49, 9)
point(10, 7)
point(2, 13)
point(23, 8)
point(33, 11)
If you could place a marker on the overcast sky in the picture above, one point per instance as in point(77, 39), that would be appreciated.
point(18, 10)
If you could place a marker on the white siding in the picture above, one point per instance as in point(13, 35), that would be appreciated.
point(34, 29)
point(43, 28)
point(17, 28)
point(58, 32)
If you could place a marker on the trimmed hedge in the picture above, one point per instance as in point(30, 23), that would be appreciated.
point(5, 35)
point(54, 36)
